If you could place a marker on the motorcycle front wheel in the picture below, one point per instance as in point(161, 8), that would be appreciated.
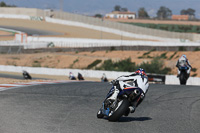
point(183, 78)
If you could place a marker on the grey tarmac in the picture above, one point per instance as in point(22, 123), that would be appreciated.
point(72, 108)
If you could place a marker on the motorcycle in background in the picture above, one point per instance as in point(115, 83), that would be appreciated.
point(26, 75)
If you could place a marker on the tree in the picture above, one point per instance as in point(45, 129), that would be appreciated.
point(120, 9)
point(3, 4)
point(189, 11)
point(183, 12)
point(117, 8)
point(142, 13)
point(164, 13)
point(98, 16)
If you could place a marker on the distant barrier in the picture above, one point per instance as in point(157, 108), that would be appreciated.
point(168, 79)
point(77, 42)
point(108, 29)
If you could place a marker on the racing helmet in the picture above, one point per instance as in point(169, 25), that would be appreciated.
point(140, 71)
point(184, 56)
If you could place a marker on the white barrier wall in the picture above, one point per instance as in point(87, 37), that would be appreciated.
point(13, 16)
point(105, 29)
point(62, 72)
point(170, 79)
point(78, 42)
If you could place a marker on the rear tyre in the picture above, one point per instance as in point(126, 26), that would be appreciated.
point(120, 111)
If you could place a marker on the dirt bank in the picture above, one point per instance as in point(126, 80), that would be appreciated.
point(81, 60)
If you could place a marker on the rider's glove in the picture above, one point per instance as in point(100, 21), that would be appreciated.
point(115, 82)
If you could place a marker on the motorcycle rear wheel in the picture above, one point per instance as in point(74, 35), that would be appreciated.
point(123, 107)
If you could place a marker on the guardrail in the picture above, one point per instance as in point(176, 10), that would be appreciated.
point(167, 79)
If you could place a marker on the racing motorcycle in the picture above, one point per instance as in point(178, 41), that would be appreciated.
point(183, 77)
point(116, 109)
point(26, 75)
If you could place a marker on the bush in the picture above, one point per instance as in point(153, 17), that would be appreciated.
point(123, 65)
point(172, 55)
point(93, 64)
point(171, 27)
point(146, 55)
point(194, 70)
point(163, 56)
point(155, 66)
point(194, 75)
point(197, 49)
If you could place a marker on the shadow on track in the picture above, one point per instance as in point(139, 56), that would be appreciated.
point(129, 119)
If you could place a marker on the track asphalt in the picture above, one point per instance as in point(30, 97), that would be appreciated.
point(72, 107)
point(30, 31)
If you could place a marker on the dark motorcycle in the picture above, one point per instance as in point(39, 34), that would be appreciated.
point(104, 79)
point(183, 77)
point(114, 110)
point(80, 77)
point(26, 75)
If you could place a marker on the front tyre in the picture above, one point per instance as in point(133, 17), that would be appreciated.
point(99, 114)
point(120, 110)
point(183, 78)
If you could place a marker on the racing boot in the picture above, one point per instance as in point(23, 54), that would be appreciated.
point(131, 109)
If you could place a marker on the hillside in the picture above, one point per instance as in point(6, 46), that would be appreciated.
point(81, 60)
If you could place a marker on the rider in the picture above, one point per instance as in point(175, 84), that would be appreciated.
point(183, 61)
point(71, 76)
point(137, 79)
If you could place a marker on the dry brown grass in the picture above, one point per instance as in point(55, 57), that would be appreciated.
point(82, 59)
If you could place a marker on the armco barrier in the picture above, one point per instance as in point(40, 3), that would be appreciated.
point(169, 79)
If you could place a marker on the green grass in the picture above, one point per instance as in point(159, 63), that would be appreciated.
point(171, 27)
